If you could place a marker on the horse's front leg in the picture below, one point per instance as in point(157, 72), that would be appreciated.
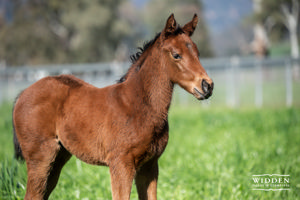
point(122, 172)
point(146, 180)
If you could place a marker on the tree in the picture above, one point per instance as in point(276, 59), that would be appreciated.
point(282, 13)
point(260, 43)
point(291, 21)
point(98, 28)
point(56, 31)
point(28, 38)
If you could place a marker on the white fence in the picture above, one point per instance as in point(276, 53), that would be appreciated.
point(238, 81)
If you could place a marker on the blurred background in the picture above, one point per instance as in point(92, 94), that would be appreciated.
point(249, 47)
point(250, 125)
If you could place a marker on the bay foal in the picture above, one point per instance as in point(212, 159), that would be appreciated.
point(123, 126)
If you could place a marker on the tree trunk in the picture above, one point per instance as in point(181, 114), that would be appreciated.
point(260, 43)
point(295, 52)
point(294, 42)
point(291, 23)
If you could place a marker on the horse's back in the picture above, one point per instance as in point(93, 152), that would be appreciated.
point(38, 107)
point(46, 95)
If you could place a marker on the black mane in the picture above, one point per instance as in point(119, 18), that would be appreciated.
point(135, 57)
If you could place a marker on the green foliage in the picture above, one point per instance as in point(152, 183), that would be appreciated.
point(56, 31)
point(273, 8)
point(281, 49)
point(29, 39)
point(211, 154)
point(98, 28)
point(272, 16)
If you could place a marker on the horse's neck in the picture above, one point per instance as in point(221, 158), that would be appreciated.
point(154, 87)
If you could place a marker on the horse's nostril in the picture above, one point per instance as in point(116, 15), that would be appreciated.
point(205, 86)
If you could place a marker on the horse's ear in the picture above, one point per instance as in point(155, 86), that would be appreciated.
point(190, 27)
point(171, 26)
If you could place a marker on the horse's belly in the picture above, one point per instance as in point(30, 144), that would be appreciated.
point(87, 153)
point(83, 142)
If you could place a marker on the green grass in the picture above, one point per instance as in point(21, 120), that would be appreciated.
point(211, 154)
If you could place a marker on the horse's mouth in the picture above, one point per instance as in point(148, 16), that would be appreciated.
point(200, 96)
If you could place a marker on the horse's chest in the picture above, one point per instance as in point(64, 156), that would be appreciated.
point(159, 143)
point(156, 147)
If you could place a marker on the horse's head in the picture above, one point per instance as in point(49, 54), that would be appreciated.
point(181, 59)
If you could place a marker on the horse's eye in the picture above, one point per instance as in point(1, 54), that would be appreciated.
point(176, 56)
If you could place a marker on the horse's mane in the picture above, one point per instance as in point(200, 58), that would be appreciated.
point(135, 57)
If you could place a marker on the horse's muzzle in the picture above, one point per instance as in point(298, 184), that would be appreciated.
point(206, 90)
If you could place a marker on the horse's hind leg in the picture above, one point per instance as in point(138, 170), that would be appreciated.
point(44, 167)
point(61, 159)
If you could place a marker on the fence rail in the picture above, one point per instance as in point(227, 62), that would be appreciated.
point(238, 81)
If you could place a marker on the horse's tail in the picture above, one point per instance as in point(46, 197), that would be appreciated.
point(18, 150)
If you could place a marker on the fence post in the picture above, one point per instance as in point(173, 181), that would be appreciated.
point(258, 84)
point(289, 83)
point(232, 82)
point(228, 86)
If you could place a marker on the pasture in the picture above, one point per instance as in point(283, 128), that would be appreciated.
point(212, 154)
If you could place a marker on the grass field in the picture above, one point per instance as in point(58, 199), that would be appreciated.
point(212, 154)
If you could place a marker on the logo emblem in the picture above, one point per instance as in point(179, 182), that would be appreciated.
point(270, 182)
